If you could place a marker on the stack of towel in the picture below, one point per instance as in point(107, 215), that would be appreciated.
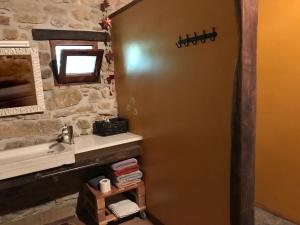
point(125, 173)
point(124, 208)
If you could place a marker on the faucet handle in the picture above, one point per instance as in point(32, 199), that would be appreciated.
point(71, 134)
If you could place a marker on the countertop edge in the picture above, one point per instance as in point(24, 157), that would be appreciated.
point(107, 145)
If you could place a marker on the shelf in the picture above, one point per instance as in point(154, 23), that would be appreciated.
point(111, 217)
point(95, 201)
point(114, 190)
point(46, 34)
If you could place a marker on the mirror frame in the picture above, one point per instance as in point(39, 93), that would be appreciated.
point(36, 69)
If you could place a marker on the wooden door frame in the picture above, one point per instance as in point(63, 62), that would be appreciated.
point(242, 181)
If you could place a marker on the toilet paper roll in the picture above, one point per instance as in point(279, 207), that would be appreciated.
point(105, 185)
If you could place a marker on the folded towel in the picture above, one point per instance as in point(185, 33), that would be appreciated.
point(126, 184)
point(95, 182)
point(126, 170)
point(124, 208)
point(128, 177)
point(124, 164)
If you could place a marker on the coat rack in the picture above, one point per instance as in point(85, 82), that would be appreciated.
point(197, 38)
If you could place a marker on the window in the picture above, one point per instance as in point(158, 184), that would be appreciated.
point(78, 66)
point(76, 61)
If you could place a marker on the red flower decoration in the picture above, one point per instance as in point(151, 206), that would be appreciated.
point(104, 5)
point(106, 23)
point(108, 39)
point(109, 78)
point(109, 56)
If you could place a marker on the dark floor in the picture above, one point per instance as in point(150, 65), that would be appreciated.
point(75, 221)
point(262, 217)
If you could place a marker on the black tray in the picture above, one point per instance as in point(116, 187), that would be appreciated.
point(114, 126)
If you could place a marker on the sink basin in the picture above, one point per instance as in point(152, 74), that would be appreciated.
point(20, 161)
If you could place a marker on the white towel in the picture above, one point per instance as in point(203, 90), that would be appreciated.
point(124, 208)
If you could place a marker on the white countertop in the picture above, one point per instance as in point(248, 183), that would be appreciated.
point(25, 160)
point(21, 161)
point(94, 142)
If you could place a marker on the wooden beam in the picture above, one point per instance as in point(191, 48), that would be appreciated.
point(45, 34)
point(244, 117)
point(134, 2)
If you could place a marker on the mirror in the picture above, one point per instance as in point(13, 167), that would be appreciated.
point(21, 89)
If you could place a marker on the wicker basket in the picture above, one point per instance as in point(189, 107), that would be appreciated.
point(114, 126)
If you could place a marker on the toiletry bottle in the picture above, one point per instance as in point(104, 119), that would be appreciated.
point(65, 133)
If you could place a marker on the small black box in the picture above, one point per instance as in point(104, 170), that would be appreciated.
point(113, 126)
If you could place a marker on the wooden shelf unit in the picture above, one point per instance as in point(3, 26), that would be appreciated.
point(95, 204)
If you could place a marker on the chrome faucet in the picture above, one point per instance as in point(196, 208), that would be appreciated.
point(67, 135)
point(71, 135)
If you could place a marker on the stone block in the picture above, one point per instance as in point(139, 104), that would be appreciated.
point(25, 27)
point(44, 45)
point(23, 37)
point(48, 84)
point(23, 128)
point(105, 105)
point(44, 58)
point(76, 25)
point(83, 124)
point(31, 18)
point(58, 21)
point(37, 116)
point(4, 11)
point(10, 34)
point(63, 113)
point(60, 99)
point(56, 10)
point(4, 20)
point(86, 109)
point(63, 1)
point(105, 92)
point(94, 96)
point(46, 73)
point(81, 14)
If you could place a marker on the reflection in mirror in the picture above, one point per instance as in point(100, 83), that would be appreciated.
point(21, 88)
point(16, 81)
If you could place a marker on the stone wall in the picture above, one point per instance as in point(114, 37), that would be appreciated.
point(78, 105)
point(48, 212)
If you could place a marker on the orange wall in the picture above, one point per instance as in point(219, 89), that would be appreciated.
point(278, 116)
point(180, 100)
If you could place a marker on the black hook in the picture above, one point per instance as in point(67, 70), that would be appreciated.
point(203, 38)
point(187, 41)
point(179, 43)
point(213, 34)
point(195, 41)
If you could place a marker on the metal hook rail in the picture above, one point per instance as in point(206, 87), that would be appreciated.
point(196, 38)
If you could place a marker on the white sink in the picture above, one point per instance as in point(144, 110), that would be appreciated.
point(20, 161)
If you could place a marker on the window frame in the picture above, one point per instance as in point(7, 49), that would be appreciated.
point(80, 78)
point(83, 77)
